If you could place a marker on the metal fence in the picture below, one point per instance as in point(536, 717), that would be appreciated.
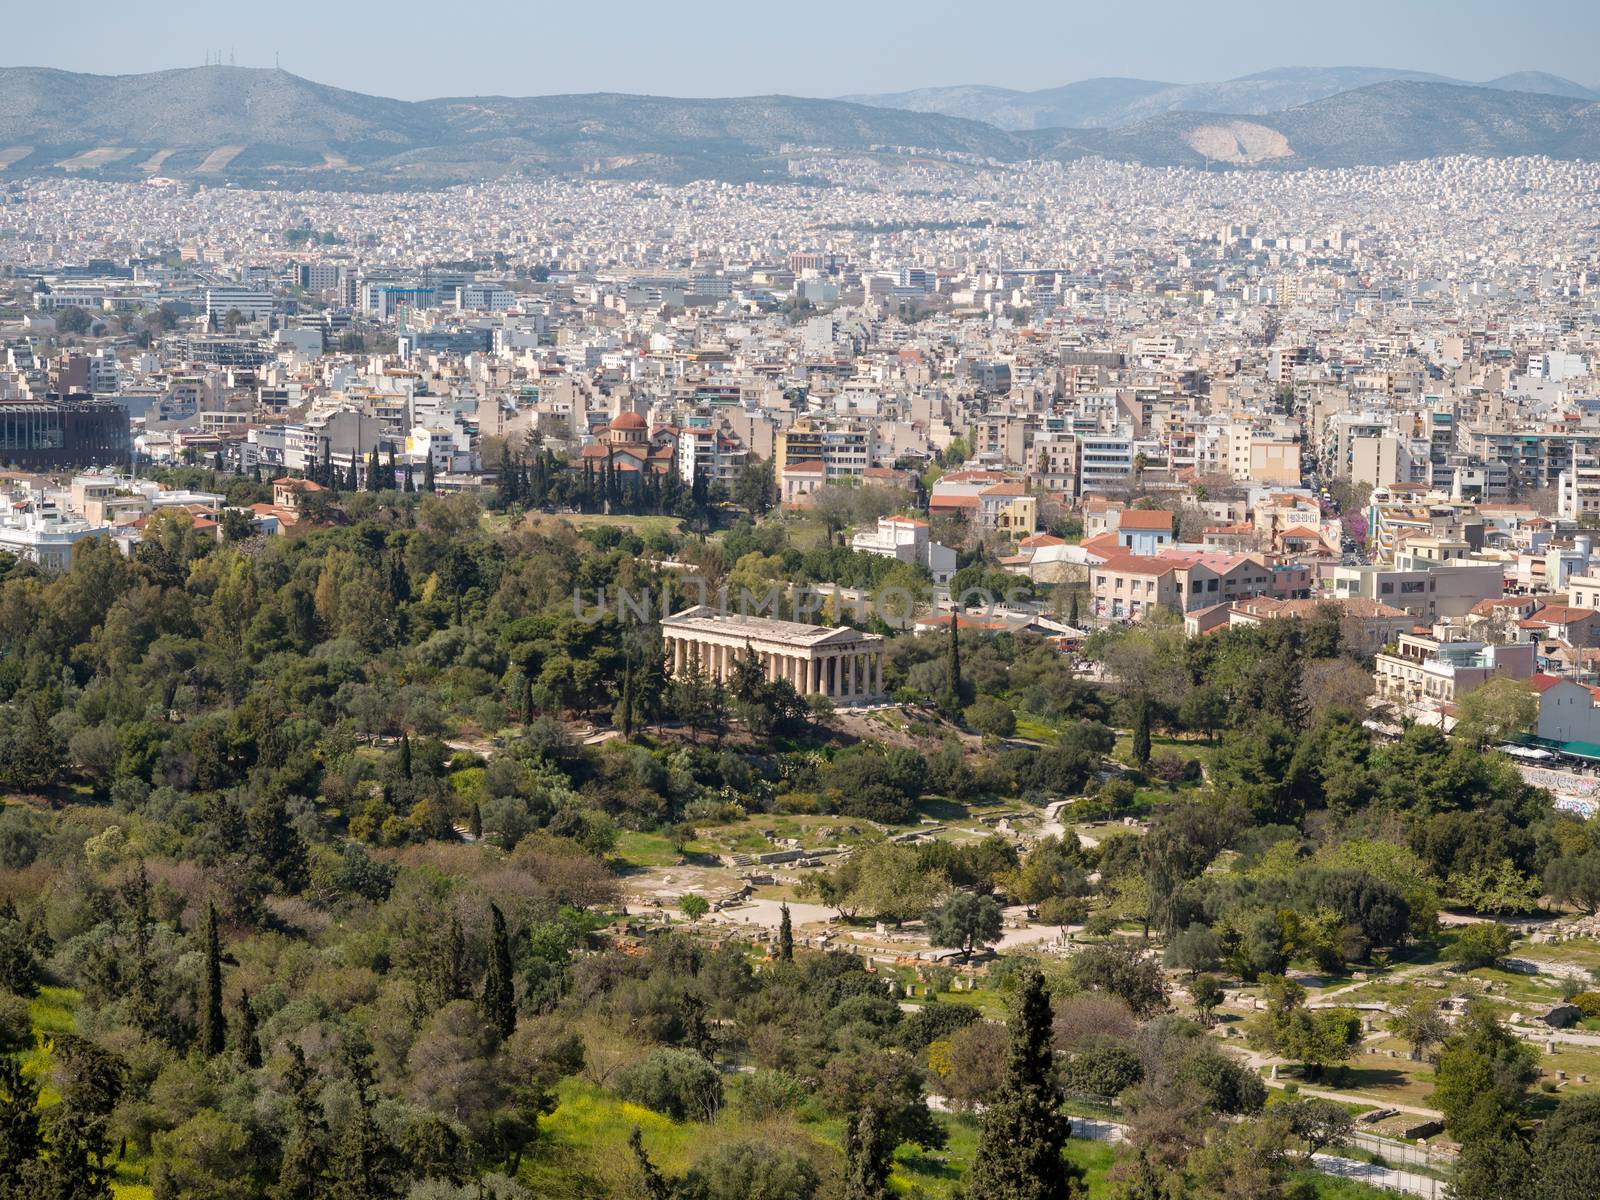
point(1405, 1153)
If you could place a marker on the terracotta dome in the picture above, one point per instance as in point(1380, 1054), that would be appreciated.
point(628, 420)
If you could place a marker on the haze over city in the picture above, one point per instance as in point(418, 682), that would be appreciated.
point(415, 51)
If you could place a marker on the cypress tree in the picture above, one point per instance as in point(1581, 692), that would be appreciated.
point(213, 1024)
point(148, 1012)
point(455, 962)
point(1072, 611)
point(955, 653)
point(651, 1185)
point(475, 822)
point(410, 484)
point(76, 1166)
point(785, 936)
point(444, 975)
point(249, 1038)
point(527, 701)
point(867, 1157)
point(507, 484)
point(405, 755)
point(626, 704)
point(1141, 735)
point(19, 1125)
point(374, 471)
point(952, 699)
point(399, 581)
point(300, 1168)
point(364, 1163)
point(389, 476)
point(427, 473)
point(1023, 1132)
point(499, 997)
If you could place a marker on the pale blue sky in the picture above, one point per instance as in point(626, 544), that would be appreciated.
point(423, 48)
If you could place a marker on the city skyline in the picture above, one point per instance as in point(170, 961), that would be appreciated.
point(726, 52)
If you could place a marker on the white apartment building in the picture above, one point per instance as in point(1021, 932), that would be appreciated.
point(1578, 490)
point(251, 303)
point(906, 539)
point(714, 455)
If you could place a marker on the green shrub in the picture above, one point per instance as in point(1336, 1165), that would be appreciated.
point(16, 1026)
point(676, 1083)
point(1588, 1004)
point(769, 1094)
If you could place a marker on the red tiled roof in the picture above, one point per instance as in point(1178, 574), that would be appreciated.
point(1151, 519)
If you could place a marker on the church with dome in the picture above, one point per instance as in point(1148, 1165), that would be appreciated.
point(629, 444)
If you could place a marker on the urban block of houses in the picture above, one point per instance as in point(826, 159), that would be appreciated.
point(992, 502)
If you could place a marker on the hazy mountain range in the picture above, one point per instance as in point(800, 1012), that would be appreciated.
point(1114, 103)
point(270, 127)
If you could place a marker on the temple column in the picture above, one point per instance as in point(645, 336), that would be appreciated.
point(878, 659)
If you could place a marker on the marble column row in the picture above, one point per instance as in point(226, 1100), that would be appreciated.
point(845, 674)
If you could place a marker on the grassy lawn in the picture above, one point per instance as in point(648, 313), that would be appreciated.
point(643, 850)
point(584, 1146)
point(1329, 1187)
point(1035, 729)
point(588, 520)
point(52, 1011)
point(1381, 1079)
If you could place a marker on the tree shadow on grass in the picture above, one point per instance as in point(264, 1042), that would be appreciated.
point(940, 809)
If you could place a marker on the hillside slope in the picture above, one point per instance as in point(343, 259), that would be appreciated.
point(268, 127)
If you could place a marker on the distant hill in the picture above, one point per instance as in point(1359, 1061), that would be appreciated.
point(253, 124)
point(1398, 121)
point(1089, 102)
point(267, 127)
point(1093, 104)
point(1542, 82)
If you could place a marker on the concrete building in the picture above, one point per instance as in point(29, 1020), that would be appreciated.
point(906, 538)
point(1144, 531)
point(1441, 667)
point(1424, 590)
point(1568, 711)
point(1127, 586)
